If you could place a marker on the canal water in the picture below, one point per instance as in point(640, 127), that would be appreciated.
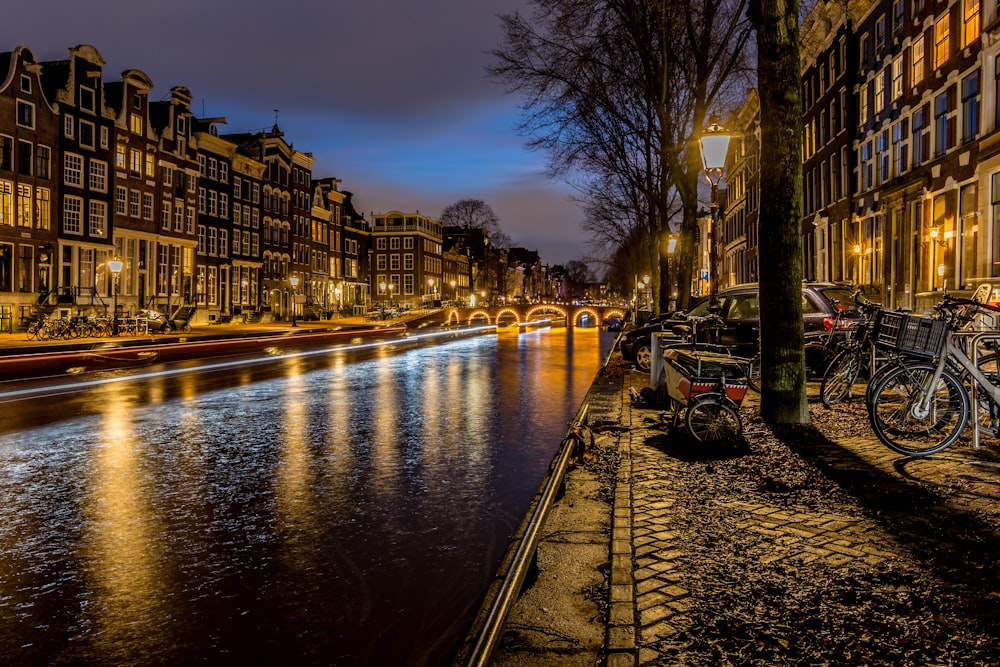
point(335, 509)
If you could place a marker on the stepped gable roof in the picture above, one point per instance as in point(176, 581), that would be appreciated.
point(57, 74)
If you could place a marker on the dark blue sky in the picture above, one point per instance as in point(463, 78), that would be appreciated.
point(390, 96)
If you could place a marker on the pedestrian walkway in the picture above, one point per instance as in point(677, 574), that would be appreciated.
point(821, 547)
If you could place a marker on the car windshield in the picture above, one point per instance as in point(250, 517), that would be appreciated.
point(700, 309)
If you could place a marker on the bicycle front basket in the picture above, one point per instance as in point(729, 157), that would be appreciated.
point(887, 326)
point(922, 336)
point(910, 334)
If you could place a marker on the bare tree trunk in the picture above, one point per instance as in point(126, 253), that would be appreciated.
point(783, 377)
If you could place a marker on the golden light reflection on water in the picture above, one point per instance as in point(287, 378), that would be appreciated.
point(294, 496)
point(385, 445)
point(301, 497)
point(340, 451)
point(123, 560)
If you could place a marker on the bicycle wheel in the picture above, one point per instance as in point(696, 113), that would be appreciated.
point(841, 374)
point(711, 419)
point(987, 417)
point(896, 418)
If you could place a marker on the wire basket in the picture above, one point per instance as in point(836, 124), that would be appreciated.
point(911, 335)
point(886, 330)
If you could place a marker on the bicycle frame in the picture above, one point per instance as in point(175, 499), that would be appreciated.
point(957, 354)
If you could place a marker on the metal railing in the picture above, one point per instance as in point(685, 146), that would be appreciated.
point(519, 559)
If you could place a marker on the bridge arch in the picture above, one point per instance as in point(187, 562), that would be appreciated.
point(543, 309)
point(521, 313)
point(506, 314)
point(478, 316)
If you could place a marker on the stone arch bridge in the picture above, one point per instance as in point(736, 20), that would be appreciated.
point(520, 315)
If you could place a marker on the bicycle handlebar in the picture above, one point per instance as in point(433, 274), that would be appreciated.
point(864, 302)
point(949, 302)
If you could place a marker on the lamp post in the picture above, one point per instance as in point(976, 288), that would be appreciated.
point(294, 280)
point(671, 279)
point(714, 146)
point(115, 266)
point(454, 296)
point(935, 242)
point(857, 266)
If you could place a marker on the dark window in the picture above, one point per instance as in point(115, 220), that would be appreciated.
point(25, 114)
point(86, 134)
point(87, 99)
point(24, 151)
point(42, 155)
point(970, 107)
point(6, 154)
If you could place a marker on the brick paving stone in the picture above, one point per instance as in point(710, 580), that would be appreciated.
point(776, 535)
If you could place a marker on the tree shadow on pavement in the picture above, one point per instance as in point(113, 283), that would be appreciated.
point(960, 545)
point(678, 443)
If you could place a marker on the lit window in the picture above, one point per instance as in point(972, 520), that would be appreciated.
point(917, 60)
point(942, 45)
point(970, 22)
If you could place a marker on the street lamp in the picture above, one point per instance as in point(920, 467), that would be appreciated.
point(294, 280)
point(671, 278)
point(115, 266)
point(454, 295)
point(935, 242)
point(714, 146)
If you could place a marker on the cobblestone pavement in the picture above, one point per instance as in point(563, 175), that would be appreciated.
point(829, 549)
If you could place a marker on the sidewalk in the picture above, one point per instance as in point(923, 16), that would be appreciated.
point(821, 548)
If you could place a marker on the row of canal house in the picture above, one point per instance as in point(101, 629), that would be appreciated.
point(232, 223)
point(92, 169)
point(901, 151)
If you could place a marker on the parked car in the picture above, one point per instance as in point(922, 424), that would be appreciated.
point(636, 344)
point(740, 308)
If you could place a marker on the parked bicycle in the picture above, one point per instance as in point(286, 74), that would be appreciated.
point(922, 406)
point(705, 384)
point(857, 355)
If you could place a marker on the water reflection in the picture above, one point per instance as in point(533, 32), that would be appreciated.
point(346, 514)
point(124, 564)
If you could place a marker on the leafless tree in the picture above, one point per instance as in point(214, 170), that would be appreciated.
point(617, 90)
point(470, 214)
